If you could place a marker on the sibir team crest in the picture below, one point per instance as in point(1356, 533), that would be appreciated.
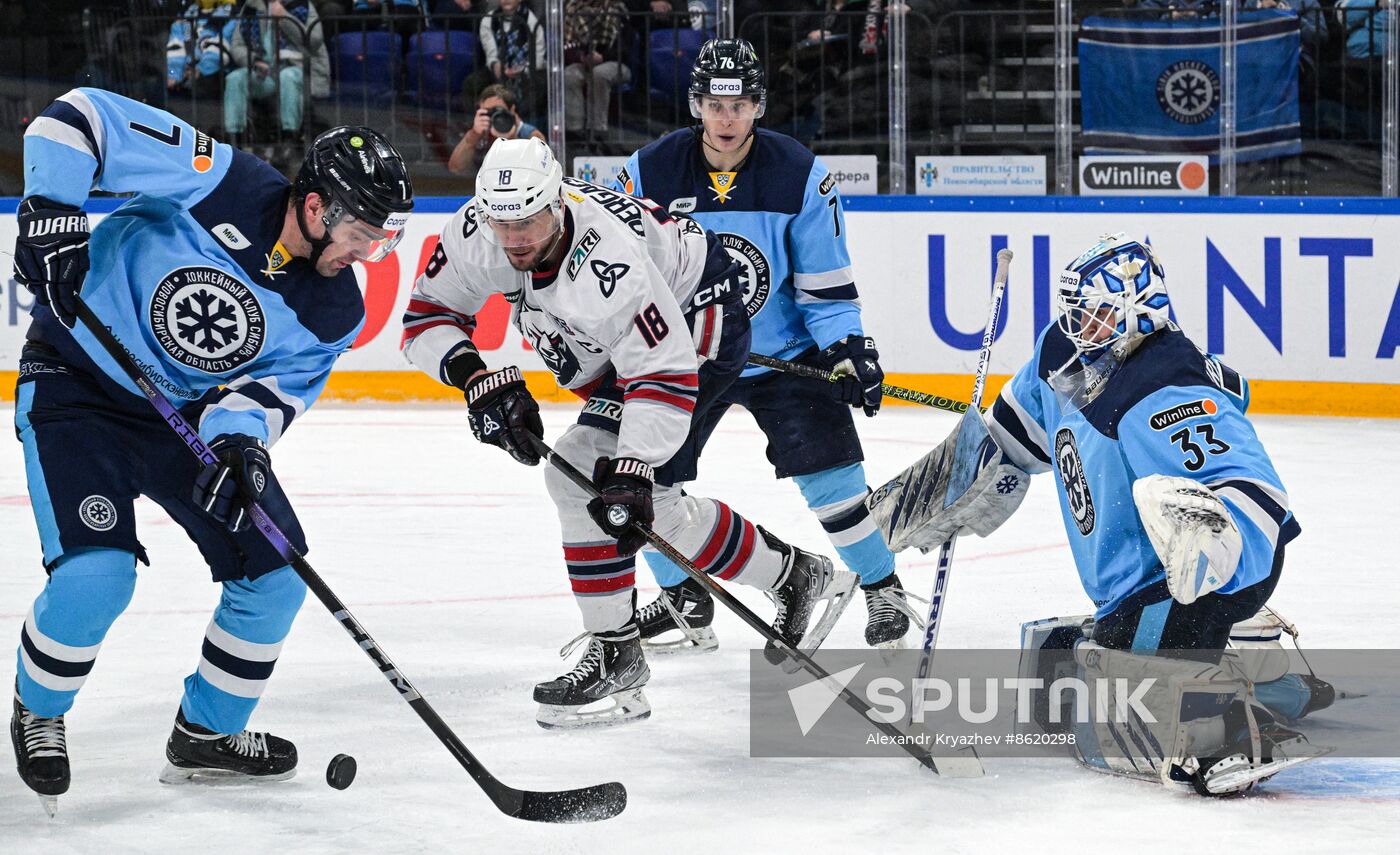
point(1071, 466)
point(1189, 91)
point(755, 272)
point(207, 320)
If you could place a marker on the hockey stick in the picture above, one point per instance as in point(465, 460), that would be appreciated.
point(746, 614)
point(913, 396)
point(586, 804)
point(945, 552)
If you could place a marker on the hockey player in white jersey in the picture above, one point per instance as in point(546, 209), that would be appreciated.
point(640, 314)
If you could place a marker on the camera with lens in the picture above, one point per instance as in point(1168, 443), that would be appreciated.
point(502, 120)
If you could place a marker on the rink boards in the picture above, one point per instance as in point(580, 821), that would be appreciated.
point(1302, 295)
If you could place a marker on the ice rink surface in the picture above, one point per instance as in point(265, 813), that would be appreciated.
point(448, 552)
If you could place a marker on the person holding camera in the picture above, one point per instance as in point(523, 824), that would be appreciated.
point(496, 119)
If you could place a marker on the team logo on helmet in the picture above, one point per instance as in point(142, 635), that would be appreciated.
point(755, 272)
point(207, 320)
point(1071, 467)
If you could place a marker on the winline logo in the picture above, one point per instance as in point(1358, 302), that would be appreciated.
point(1152, 176)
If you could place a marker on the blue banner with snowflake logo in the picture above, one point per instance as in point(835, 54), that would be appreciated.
point(1153, 86)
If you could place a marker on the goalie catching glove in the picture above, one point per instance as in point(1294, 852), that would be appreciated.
point(1192, 532)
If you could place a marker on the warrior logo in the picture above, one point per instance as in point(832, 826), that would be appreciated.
point(755, 273)
point(207, 320)
point(1071, 467)
point(98, 513)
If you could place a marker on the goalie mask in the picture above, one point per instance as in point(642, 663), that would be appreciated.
point(1108, 300)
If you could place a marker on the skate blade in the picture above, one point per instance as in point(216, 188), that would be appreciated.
point(50, 804)
point(699, 640)
point(623, 707)
point(836, 596)
point(1237, 781)
point(173, 774)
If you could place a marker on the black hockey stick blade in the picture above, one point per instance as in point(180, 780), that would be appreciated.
point(586, 804)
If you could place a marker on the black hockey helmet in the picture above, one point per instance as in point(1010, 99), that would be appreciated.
point(727, 67)
point(360, 174)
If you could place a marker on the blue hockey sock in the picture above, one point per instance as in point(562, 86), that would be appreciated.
point(1287, 696)
point(65, 627)
point(241, 648)
point(837, 497)
point(666, 572)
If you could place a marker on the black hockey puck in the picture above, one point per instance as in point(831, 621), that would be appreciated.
point(341, 771)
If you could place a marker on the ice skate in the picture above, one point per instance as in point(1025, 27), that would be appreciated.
point(887, 614)
point(807, 580)
point(41, 754)
point(609, 678)
point(683, 612)
point(1234, 773)
point(199, 755)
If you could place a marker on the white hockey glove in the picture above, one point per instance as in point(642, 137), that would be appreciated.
point(1192, 531)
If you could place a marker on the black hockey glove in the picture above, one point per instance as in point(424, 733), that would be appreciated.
point(503, 413)
point(624, 487)
point(859, 362)
point(225, 490)
point(51, 254)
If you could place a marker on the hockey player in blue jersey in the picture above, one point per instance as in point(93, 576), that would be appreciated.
point(778, 212)
point(233, 291)
point(1175, 515)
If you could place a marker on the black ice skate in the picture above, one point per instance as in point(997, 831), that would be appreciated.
point(201, 755)
point(687, 609)
point(806, 581)
point(887, 613)
point(611, 672)
point(41, 754)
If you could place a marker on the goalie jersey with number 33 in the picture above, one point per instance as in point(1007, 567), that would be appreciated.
point(1170, 410)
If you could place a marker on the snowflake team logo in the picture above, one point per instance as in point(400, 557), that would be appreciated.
point(754, 271)
point(1008, 484)
point(98, 513)
point(1189, 91)
point(207, 320)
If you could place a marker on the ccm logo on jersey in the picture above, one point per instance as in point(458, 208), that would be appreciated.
point(230, 236)
point(726, 86)
point(1182, 412)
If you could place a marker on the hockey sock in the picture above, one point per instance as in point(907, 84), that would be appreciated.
point(602, 583)
point(65, 627)
point(241, 648)
point(837, 497)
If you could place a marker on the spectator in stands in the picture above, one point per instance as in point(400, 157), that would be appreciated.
point(1312, 28)
point(450, 14)
point(513, 43)
point(1366, 25)
point(595, 47)
point(274, 60)
point(197, 51)
point(471, 151)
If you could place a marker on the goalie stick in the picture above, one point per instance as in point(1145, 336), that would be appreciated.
point(970, 764)
point(745, 614)
point(586, 804)
point(913, 396)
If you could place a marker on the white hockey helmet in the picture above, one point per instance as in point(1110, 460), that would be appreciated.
point(1113, 293)
point(517, 179)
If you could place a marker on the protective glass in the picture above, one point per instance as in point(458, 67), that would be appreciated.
point(534, 229)
point(1083, 378)
point(364, 241)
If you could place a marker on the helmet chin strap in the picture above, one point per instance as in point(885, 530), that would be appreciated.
point(318, 245)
